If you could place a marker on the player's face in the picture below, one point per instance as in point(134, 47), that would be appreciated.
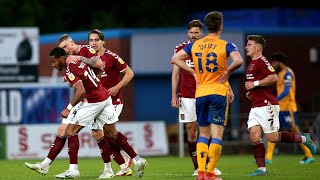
point(56, 63)
point(251, 48)
point(96, 42)
point(68, 46)
point(194, 33)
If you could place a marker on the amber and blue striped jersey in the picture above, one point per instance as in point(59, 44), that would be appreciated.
point(210, 56)
point(286, 90)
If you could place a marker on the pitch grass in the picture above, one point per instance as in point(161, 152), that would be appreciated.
point(175, 168)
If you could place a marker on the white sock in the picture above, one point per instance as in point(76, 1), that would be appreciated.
point(264, 169)
point(73, 166)
point(123, 166)
point(107, 167)
point(136, 159)
point(46, 162)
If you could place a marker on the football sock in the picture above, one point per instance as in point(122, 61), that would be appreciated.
point(104, 149)
point(306, 151)
point(270, 150)
point(288, 137)
point(259, 153)
point(107, 166)
point(73, 146)
point(214, 154)
point(192, 147)
point(122, 141)
point(117, 156)
point(202, 153)
point(56, 148)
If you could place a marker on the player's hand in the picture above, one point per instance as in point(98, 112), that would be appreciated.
point(195, 78)
point(231, 97)
point(72, 58)
point(249, 85)
point(174, 102)
point(224, 77)
point(113, 91)
point(65, 113)
point(65, 80)
point(248, 95)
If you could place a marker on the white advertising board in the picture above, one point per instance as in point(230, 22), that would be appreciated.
point(19, 54)
point(34, 141)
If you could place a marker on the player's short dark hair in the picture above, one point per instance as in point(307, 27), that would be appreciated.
point(195, 23)
point(57, 52)
point(279, 56)
point(98, 32)
point(62, 38)
point(214, 21)
point(258, 39)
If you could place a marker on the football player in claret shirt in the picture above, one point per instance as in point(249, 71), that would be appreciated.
point(94, 104)
point(113, 66)
point(264, 113)
point(183, 94)
point(286, 96)
point(210, 55)
point(90, 57)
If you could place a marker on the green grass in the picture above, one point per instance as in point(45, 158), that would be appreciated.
point(175, 168)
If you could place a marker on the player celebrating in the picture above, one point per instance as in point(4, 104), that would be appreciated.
point(88, 56)
point(110, 79)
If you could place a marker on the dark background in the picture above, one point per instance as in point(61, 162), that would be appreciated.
point(68, 16)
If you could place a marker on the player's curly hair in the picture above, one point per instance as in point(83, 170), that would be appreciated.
point(279, 56)
point(57, 52)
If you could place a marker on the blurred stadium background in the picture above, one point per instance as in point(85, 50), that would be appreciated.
point(32, 95)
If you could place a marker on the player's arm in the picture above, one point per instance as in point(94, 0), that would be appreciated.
point(231, 94)
point(268, 80)
point(179, 57)
point(127, 77)
point(236, 62)
point(287, 86)
point(77, 97)
point(94, 62)
point(175, 77)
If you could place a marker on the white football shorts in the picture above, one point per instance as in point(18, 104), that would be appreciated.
point(102, 112)
point(187, 110)
point(266, 116)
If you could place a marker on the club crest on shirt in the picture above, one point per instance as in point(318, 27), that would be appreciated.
point(92, 50)
point(71, 77)
point(271, 68)
point(120, 61)
point(251, 67)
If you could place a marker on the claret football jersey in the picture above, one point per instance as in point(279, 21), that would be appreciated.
point(78, 71)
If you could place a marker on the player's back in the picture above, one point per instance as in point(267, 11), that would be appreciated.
point(210, 57)
point(95, 92)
